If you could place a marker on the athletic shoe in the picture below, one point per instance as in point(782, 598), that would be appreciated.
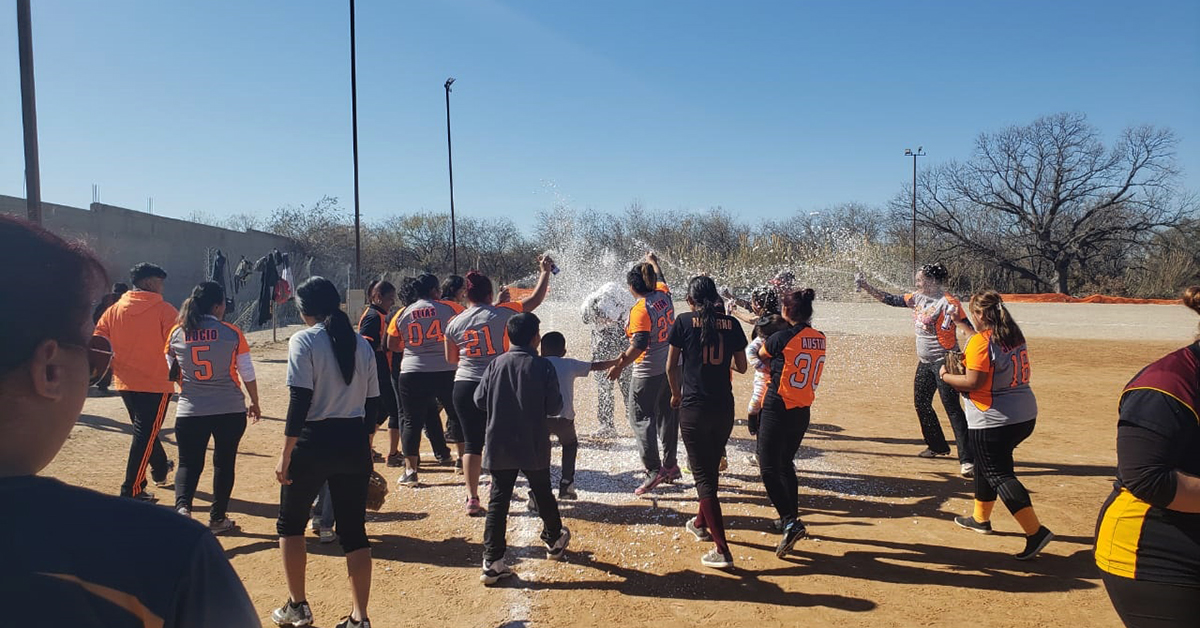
point(672, 474)
point(184, 511)
point(686, 469)
point(458, 466)
point(395, 460)
point(967, 469)
point(221, 526)
point(493, 571)
point(724, 464)
point(717, 560)
point(408, 478)
point(794, 532)
point(145, 496)
point(376, 456)
point(606, 431)
point(474, 509)
point(982, 527)
point(326, 535)
point(566, 490)
point(752, 460)
point(315, 525)
point(653, 479)
point(701, 534)
point(350, 623)
point(292, 614)
point(1035, 543)
point(929, 453)
point(777, 526)
point(555, 551)
point(165, 481)
point(445, 461)
point(531, 503)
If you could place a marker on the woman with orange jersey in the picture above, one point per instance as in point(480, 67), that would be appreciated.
point(1001, 413)
point(381, 298)
point(797, 359)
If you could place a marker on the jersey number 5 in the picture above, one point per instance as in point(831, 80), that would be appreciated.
point(205, 370)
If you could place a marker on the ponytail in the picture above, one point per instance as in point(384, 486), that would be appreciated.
point(703, 294)
point(205, 297)
point(427, 286)
point(989, 307)
point(1191, 298)
point(320, 299)
point(642, 278)
point(798, 306)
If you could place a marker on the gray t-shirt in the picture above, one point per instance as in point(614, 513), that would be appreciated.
point(208, 359)
point(422, 326)
point(481, 334)
point(312, 364)
point(935, 320)
point(568, 371)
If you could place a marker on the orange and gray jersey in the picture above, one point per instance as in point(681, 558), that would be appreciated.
point(481, 333)
point(213, 361)
point(649, 328)
point(421, 329)
point(1005, 397)
point(935, 320)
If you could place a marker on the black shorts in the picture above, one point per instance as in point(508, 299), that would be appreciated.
point(336, 451)
point(471, 419)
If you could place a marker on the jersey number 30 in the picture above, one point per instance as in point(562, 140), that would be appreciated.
point(807, 371)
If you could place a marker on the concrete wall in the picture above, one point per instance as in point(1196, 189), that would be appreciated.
point(123, 237)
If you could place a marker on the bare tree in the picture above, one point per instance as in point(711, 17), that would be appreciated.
point(1046, 200)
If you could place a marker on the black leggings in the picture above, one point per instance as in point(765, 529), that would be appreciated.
point(472, 420)
point(925, 383)
point(705, 432)
point(193, 433)
point(419, 394)
point(994, 473)
point(780, 431)
point(389, 405)
point(1142, 604)
point(337, 451)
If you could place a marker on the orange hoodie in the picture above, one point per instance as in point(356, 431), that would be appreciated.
point(137, 326)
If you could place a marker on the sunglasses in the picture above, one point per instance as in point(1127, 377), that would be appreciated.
point(99, 353)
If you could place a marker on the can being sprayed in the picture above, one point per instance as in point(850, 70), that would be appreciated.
point(553, 264)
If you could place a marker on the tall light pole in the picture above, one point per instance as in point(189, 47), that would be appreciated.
point(354, 130)
point(450, 160)
point(33, 178)
point(908, 152)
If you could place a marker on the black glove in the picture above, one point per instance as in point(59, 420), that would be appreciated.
point(752, 423)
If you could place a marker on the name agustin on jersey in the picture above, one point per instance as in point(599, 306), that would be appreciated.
point(810, 343)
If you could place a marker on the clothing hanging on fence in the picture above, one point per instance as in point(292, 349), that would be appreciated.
point(217, 268)
point(242, 274)
point(266, 293)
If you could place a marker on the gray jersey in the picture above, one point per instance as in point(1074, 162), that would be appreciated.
point(1005, 397)
point(208, 361)
point(313, 365)
point(935, 320)
point(481, 334)
point(422, 327)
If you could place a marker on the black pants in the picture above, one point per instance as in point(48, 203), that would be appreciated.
point(925, 383)
point(1142, 604)
point(389, 403)
point(994, 474)
point(396, 421)
point(337, 451)
point(495, 528)
point(193, 433)
point(419, 394)
point(780, 431)
point(568, 439)
point(705, 432)
point(470, 417)
point(146, 412)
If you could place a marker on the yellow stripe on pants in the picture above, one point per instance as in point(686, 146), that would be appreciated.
point(1120, 532)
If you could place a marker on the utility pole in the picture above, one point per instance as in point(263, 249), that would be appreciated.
point(450, 159)
point(908, 152)
point(33, 177)
point(354, 128)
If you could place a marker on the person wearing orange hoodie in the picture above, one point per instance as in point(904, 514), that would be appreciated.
point(137, 326)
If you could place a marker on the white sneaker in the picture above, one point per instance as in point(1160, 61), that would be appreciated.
point(408, 478)
point(701, 534)
point(967, 469)
point(493, 571)
point(292, 615)
point(556, 551)
point(184, 511)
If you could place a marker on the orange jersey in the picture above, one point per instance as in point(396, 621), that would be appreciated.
point(137, 326)
point(797, 363)
point(652, 315)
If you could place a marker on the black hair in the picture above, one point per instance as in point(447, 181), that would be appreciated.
point(703, 294)
point(522, 328)
point(451, 285)
point(62, 278)
point(554, 342)
point(319, 299)
point(427, 286)
point(642, 278)
point(767, 298)
point(799, 305)
point(769, 324)
point(205, 297)
point(407, 291)
point(145, 270)
point(120, 288)
point(378, 289)
point(479, 287)
point(936, 272)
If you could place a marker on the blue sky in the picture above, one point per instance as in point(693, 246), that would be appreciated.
point(763, 108)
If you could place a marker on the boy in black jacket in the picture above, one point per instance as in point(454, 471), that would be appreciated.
point(519, 390)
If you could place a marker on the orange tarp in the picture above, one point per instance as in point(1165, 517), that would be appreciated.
point(1095, 298)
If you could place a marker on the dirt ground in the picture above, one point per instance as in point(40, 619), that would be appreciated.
point(883, 549)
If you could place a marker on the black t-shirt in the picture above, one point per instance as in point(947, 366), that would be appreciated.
point(706, 378)
point(74, 557)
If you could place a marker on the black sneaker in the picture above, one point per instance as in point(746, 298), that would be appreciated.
point(566, 490)
point(458, 466)
point(145, 496)
point(929, 453)
point(777, 526)
point(982, 527)
point(395, 460)
point(792, 533)
point(350, 623)
point(164, 480)
point(446, 460)
point(1035, 543)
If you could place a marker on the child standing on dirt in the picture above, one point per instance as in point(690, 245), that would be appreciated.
point(518, 390)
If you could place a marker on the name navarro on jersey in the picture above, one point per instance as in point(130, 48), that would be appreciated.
point(810, 343)
point(200, 335)
point(721, 323)
point(425, 312)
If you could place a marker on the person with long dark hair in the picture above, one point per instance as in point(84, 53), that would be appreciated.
point(650, 413)
point(797, 359)
point(472, 340)
point(938, 316)
point(426, 378)
point(1001, 414)
point(106, 302)
point(372, 325)
point(211, 361)
point(705, 343)
point(1148, 532)
point(334, 388)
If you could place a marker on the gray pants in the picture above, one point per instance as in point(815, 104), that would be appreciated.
point(652, 418)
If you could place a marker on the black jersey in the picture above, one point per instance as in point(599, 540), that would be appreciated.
point(706, 378)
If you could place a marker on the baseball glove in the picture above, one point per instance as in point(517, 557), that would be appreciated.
point(377, 490)
point(954, 363)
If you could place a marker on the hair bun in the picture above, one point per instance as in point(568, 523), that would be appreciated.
point(1191, 298)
